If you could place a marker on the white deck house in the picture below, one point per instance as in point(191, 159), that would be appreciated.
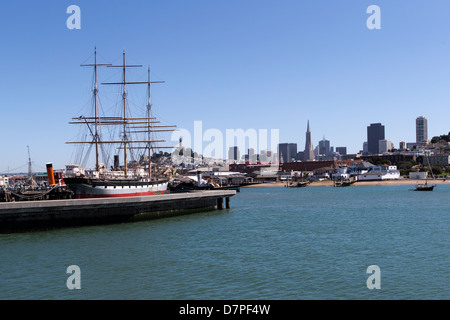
point(342, 173)
point(380, 173)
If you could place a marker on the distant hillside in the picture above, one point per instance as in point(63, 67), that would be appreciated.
point(445, 137)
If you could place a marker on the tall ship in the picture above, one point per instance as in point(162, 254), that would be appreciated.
point(127, 134)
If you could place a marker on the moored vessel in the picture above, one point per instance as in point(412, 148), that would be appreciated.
point(425, 186)
point(131, 178)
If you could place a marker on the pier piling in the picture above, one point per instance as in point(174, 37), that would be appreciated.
point(220, 203)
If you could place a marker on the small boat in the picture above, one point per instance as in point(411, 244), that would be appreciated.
point(187, 184)
point(299, 184)
point(343, 183)
point(425, 186)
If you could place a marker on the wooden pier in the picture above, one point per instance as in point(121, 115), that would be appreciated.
point(51, 214)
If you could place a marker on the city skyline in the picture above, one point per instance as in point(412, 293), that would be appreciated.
point(270, 65)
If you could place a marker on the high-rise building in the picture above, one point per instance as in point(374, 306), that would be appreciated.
point(385, 146)
point(266, 156)
point(375, 133)
point(252, 157)
point(309, 152)
point(292, 151)
point(287, 152)
point(324, 147)
point(341, 150)
point(234, 154)
point(283, 152)
point(365, 148)
point(421, 130)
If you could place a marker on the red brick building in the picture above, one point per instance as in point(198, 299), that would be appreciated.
point(314, 165)
point(247, 167)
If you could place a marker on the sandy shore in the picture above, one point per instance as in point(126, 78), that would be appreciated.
point(358, 183)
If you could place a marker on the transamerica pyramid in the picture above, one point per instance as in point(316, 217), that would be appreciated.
point(309, 153)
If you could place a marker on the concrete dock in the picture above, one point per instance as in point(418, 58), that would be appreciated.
point(51, 214)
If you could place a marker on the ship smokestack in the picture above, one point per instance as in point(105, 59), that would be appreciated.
point(50, 174)
point(199, 178)
point(116, 162)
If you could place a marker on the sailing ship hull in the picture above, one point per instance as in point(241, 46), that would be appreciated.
point(99, 188)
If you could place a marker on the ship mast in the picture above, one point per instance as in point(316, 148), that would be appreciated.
point(96, 118)
point(126, 122)
point(149, 123)
point(125, 138)
point(124, 98)
point(149, 108)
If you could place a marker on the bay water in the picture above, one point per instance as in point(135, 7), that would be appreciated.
point(274, 243)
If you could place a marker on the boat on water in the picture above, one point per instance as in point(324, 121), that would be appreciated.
point(131, 178)
point(425, 186)
point(298, 184)
point(344, 182)
point(189, 184)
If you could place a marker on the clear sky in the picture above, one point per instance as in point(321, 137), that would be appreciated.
point(261, 64)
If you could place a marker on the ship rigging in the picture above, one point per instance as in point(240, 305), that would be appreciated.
point(128, 139)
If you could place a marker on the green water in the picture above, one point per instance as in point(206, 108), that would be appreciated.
point(274, 243)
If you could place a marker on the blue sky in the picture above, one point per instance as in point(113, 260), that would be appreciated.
point(260, 64)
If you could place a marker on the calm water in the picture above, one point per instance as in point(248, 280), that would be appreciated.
point(274, 243)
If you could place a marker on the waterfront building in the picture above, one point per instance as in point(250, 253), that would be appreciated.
point(307, 166)
point(439, 160)
point(421, 130)
point(380, 173)
point(252, 168)
point(418, 175)
point(375, 133)
point(393, 158)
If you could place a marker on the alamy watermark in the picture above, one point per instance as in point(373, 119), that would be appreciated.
point(74, 20)
point(374, 21)
point(74, 280)
point(213, 146)
point(374, 280)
